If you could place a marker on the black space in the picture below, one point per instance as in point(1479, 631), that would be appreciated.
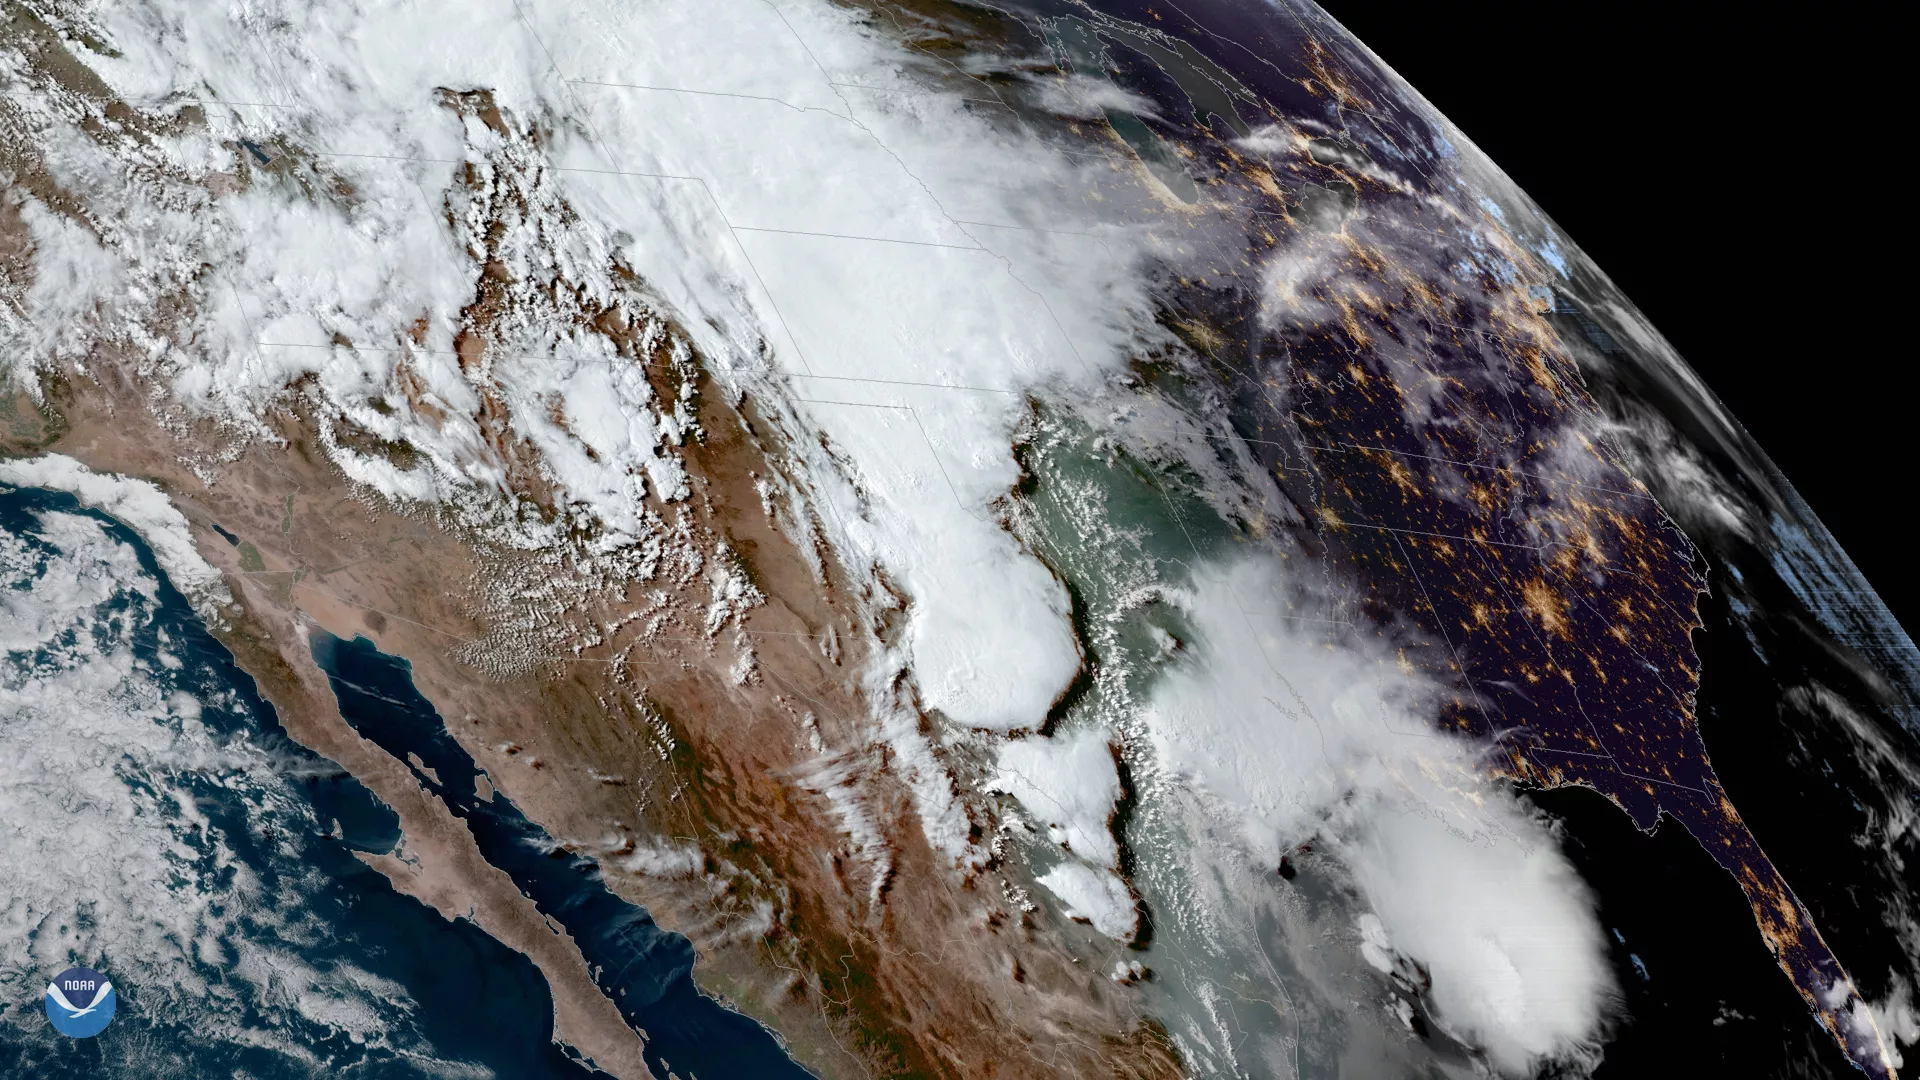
point(1730, 172)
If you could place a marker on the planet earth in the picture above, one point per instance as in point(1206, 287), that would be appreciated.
point(755, 538)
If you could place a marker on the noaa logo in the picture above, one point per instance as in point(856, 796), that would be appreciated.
point(80, 1002)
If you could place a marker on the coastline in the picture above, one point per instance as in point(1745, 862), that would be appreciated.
point(779, 891)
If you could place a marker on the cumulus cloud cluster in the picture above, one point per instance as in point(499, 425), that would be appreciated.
point(140, 505)
point(1300, 730)
point(108, 775)
point(1071, 784)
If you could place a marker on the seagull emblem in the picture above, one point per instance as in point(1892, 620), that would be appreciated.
point(74, 1012)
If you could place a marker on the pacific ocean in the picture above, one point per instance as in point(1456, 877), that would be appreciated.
point(216, 884)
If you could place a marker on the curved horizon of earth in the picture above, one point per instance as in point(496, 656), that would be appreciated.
point(919, 538)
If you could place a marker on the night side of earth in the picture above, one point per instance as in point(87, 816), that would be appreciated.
point(767, 538)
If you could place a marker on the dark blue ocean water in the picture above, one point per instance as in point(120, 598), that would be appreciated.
point(464, 1003)
point(647, 971)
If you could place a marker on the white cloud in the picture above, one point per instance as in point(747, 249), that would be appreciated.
point(1897, 1021)
point(140, 506)
point(893, 274)
point(1098, 896)
point(117, 856)
point(1085, 98)
point(1298, 731)
point(811, 214)
point(73, 277)
point(1502, 923)
point(1069, 782)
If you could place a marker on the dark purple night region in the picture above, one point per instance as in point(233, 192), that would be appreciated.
point(1425, 419)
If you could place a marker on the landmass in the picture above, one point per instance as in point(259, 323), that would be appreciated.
point(636, 624)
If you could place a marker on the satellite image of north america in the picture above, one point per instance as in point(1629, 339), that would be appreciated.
point(886, 538)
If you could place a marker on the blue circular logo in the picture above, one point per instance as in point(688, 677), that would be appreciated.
point(80, 1002)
